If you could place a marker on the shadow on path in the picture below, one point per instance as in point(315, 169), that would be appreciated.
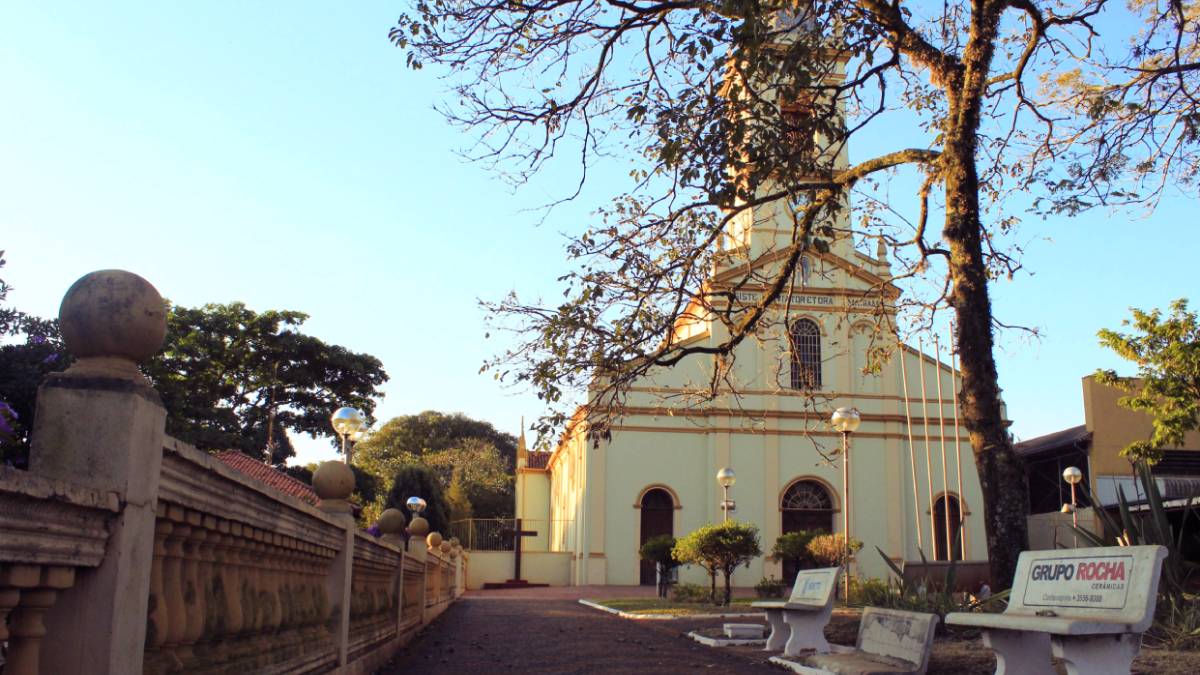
point(486, 634)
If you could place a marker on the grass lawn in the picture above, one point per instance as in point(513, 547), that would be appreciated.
point(664, 606)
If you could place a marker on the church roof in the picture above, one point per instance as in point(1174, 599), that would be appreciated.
point(268, 475)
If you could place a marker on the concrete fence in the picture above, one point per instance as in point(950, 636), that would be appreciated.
point(125, 551)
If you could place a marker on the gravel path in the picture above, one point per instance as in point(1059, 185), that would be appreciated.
point(492, 635)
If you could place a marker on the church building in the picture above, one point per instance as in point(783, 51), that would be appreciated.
point(829, 342)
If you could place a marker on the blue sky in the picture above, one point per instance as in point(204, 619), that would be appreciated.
point(281, 155)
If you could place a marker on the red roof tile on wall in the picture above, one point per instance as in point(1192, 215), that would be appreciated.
point(538, 460)
point(268, 475)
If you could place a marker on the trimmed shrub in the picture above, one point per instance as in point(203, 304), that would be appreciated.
point(694, 593)
point(720, 548)
point(769, 587)
point(660, 551)
point(829, 550)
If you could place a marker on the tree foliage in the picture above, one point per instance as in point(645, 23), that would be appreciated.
point(734, 107)
point(223, 373)
point(720, 548)
point(829, 550)
point(225, 369)
point(418, 481)
point(660, 550)
point(30, 349)
point(792, 547)
point(457, 502)
point(1167, 387)
point(450, 446)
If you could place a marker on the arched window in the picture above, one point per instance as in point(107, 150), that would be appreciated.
point(807, 505)
point(806, 354)
point(947, 525)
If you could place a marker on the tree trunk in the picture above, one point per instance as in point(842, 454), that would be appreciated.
point(712, 589)
point(728, 590)
point(1001, 472)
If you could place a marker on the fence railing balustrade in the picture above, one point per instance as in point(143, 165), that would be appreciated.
point(124, 551)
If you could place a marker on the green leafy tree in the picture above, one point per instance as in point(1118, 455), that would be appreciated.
point(690, 550)
point(230, 378)
point(1167, 387)
point(419, 481)
point(30, 349)
point(660, 550)
point(829, 550)
point(792, 548)
point(234, 378)
point(483, 457)
point(720, 548)
point(457, 502)
point(720, 105)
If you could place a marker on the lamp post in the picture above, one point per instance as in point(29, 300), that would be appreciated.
point(351, 425)
point(726, 478)
point(1073, 475)
point(846, 420)
point(417, 526)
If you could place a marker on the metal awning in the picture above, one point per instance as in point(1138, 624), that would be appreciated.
point(1177, 491)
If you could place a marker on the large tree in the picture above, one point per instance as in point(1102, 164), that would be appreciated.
point(449, 446)
point(234, 378)
point(1166, 351)
point(230, 377)
point(724, 102)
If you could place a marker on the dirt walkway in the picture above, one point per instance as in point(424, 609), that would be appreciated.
point(548, 631)
point(495, 634)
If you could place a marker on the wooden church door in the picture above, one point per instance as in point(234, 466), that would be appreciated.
point(658, 518)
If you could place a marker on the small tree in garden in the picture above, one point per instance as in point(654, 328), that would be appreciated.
point(660, 550)
point(792, 548)
point(829, 550)
point(690, 550)
point(720, 548)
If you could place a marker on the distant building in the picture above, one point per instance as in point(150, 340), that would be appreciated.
point(1095, 448)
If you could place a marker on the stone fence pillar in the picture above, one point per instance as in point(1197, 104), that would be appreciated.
point(101, 424)
point(334, 482)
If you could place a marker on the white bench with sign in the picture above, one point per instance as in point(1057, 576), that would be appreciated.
point(889, 641)
point(1089, 607)
point(798, 623)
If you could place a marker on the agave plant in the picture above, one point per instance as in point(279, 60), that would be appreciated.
point(923, 595)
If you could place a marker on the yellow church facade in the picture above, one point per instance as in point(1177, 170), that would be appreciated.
point(830, 341)
point(912, 472)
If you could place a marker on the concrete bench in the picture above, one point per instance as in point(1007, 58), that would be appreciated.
point(889, 641)
point(1089, 607)
point(798, 623)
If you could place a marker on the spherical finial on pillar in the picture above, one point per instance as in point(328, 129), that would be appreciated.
point(333, 482)
point(391, 524)
point(446, 546)
point(434, 540)
point(112, 320)
point(418, 527)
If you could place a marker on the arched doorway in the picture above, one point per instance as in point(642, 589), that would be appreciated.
point(940, 507)
point(806, 505)
point(658, 518)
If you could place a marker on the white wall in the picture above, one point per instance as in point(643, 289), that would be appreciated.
point(537, 567)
